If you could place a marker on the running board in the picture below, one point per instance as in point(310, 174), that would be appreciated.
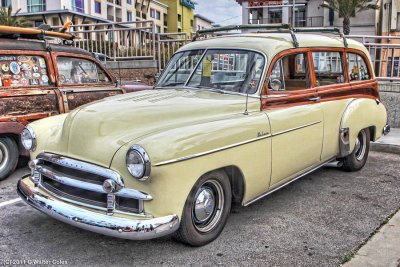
point(290, 181)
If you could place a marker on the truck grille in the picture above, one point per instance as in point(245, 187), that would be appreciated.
point(82, 183)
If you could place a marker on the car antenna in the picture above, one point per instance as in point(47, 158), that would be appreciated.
point(246, 112)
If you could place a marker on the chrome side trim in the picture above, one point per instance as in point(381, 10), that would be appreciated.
point(231, 146)
point(288, 182)
point(70, 181)
point(134, 229)
point(296, 128)
point(211, 151)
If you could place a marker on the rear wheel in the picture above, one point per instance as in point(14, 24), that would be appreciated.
point(206, 210)
point(357, 159)
point(8, 156)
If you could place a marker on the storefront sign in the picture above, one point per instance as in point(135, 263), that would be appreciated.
point(265, 3)
point(189, 3)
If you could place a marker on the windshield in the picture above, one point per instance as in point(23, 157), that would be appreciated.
point(220, 69)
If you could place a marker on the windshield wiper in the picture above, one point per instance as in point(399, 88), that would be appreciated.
point(170, 84)
point(211, 89)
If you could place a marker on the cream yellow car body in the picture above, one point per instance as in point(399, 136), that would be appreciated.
point(188, 133)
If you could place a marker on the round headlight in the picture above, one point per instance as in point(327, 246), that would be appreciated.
point(28, 138)
point(138, 163)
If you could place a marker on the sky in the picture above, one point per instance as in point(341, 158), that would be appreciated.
point(224, 12)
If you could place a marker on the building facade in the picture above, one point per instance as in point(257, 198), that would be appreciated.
point(57, 12)
point(180, 15)
point(307, 13)
point(201, 22)
point(158, 12)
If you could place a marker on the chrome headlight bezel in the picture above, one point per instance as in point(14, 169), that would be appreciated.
point(28, 134)
point(145, 161)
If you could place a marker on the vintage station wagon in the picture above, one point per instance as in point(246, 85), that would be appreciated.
point(231, 119)
point(38, 80)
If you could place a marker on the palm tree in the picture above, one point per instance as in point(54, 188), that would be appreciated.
point(348, 9)
point(7, 19)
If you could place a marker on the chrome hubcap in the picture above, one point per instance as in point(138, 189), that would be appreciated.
point(204, 205)
point(3, 156)
point(360, 146)
point(208, 206)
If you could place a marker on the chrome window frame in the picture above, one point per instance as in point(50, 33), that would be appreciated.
point(256, 94)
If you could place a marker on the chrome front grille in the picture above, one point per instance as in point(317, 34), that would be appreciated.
point(82, 183)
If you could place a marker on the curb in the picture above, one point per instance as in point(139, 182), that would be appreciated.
point(386, 148)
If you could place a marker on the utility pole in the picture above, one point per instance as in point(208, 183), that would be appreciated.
point(293, 14)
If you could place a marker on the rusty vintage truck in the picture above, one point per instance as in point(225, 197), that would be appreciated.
point(38, 80)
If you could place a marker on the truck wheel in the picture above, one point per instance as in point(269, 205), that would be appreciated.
point(356, 160)
point(206, 210)
point(8, 156)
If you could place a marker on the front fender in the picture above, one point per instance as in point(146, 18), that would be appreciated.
point(360, 114)
point(182, 155)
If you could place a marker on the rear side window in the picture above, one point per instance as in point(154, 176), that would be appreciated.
point(328, 67)
point(358, 70)
point(23, 70)
point(80, 71)
point(290, 73)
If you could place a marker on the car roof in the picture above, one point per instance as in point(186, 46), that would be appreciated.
point(28, 45)
point(273, 43)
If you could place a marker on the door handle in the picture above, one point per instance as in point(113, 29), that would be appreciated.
point(317, 98)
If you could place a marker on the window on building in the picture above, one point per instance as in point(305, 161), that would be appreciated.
point(358, 69)
point(158, 29)
point(275, 15)
point(36, 6)
point(55, 21)
point(152, 13)
point(138, 14)
point(290, 73)
point(129, 16)
point(328, 67)
point(165, 19)
point(78, 5)
point(5, 3)
point(179, 18)
point(129, 2)
point(158, 15)
point(38, 23)
point(97, 7)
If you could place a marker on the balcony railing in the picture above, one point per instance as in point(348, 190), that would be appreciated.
point(110, 17)
point(310, 22)
point(118, 19)
point(300, 22)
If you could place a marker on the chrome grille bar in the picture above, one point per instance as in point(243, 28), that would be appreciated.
point(82, 183)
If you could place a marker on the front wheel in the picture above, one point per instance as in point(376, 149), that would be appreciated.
point(356, 160)
point(206, 209)
point(8, 156)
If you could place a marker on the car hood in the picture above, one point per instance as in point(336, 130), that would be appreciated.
point(96, 131)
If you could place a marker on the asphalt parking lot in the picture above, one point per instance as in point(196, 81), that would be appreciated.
point(316, 221)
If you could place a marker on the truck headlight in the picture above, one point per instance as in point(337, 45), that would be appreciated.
point(138, 163)
point(28, 138)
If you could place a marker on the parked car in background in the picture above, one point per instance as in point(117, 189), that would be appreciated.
point(231, 120)
point(135, 86)
point(39, 80)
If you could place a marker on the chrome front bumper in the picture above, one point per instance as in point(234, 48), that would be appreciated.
point(134, 229)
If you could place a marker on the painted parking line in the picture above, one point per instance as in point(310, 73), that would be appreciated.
point(9, 202)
